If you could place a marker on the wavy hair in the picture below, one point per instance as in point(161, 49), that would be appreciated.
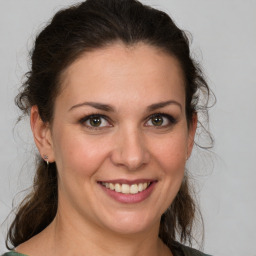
point(81, 28)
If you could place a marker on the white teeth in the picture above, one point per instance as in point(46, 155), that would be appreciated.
point(125, 188)
point(111, 186)
point(134, 189)
point(140, 187)
point(118, 188)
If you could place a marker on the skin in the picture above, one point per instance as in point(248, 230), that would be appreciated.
point(127, 145)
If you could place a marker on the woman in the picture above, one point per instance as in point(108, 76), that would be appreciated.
point(113, 97)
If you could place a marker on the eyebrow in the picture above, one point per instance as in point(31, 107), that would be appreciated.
point(96, 105)
point(163, 104)
point(109, 108)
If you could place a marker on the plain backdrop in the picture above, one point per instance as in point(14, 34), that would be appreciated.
point(224, 41)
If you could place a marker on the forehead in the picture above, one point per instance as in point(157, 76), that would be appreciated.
point(133, 71)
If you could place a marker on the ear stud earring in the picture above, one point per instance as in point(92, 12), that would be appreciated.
point(46, 159)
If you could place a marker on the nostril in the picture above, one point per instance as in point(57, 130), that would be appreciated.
point(129, 149)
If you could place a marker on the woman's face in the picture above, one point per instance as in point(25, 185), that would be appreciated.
point(120, 138)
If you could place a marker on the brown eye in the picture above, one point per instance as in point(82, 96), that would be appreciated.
point(161, 120)
point(95, 121)
point(157, 120)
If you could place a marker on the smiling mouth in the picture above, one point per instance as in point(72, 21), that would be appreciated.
point(126, 188)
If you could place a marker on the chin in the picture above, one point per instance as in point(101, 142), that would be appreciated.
point(131, 223)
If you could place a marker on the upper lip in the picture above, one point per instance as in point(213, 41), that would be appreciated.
point(129, 182)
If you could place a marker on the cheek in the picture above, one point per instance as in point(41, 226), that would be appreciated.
point(170, 156)
point(78, 160)
point(78, 156)
point(170, 153)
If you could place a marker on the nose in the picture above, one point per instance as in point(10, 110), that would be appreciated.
point(130, 150)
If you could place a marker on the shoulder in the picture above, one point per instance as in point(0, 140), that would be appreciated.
point(188, 251)
point(182, 250)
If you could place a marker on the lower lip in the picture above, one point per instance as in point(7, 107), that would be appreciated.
point(130, 198)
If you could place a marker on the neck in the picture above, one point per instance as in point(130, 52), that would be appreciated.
point(88, 239)
point(73, 236)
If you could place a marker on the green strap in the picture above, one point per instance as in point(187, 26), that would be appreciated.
point(13, 254)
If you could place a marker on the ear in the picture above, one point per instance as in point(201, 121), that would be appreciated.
point(191, 134)
point(42, 134)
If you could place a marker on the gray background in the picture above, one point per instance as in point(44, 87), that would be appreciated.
point(224, 41)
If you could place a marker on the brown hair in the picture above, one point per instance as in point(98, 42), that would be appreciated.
point(91, 25)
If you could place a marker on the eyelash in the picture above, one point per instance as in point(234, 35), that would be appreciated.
point(88, 117)
point(171, 120)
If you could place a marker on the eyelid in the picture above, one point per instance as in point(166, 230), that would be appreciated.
point(87, 117)
point(172, 120)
